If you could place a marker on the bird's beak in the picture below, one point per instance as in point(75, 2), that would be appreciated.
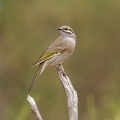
point(59, 29)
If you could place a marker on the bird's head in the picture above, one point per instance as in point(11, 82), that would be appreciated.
point(66, 31)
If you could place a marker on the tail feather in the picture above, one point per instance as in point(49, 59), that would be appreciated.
point(39, 71)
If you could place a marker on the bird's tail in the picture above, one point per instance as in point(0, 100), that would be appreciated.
point(39, 72)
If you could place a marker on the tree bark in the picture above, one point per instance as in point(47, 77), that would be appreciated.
point(72, 97)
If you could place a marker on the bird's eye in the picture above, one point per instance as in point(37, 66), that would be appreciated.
point(67, 30)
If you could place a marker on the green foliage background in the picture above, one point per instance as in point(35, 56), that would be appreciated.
point(27, 27)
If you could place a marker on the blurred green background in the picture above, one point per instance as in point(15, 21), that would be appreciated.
point(27, 27)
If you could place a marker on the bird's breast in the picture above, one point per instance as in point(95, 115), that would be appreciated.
point(70, 44)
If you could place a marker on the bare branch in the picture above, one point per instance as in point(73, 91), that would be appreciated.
point(34, 108)
point(71, 97)
point(70, 92)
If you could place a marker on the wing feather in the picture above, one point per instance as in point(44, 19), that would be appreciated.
point(54, 49)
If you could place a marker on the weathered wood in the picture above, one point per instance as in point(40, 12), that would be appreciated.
point(70, 92)
point(71, 97)
point(34, 108)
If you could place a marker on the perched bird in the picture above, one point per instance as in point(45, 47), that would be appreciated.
point(62, 48)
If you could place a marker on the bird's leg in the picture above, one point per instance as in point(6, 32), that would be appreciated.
point(60, 68)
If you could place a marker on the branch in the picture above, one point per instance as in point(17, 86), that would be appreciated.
point(71, 97)
point(70, 92)
point(34, 108)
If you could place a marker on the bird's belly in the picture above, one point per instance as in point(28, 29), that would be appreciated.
point(58, 59)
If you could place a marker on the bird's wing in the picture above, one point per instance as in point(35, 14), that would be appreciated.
point(45, 56)
point(54, 49)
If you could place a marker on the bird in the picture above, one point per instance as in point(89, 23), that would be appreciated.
point(57, 52)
